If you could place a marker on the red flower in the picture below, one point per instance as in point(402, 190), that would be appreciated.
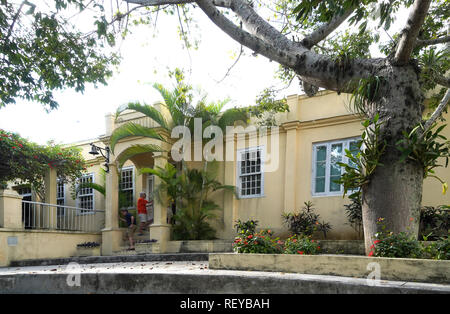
point(376, 241)
point(245, 242)
point(35, 157)
point(312, 241)
point(249, 237)
point(300, 252)
point(20, 145)
point(59, 153)
point(14, 147)
point(371, 253)
point(318, 247)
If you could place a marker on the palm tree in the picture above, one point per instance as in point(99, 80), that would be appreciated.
point(191, 188)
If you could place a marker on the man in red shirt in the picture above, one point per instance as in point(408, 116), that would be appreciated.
point(144, 217)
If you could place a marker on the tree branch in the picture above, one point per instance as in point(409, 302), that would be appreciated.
point(323, 31)
point(436, 114)
point(315, 69)
point(218, 3)
point(411, 31)
point(429, 42)
point(442, 80)
point(260, 27)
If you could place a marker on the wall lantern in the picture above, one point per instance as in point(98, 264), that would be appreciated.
point(95, 150)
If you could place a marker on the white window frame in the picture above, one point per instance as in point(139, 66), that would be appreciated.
point(63, 198)
point(133, 183)
point(239, 174)
point(345, 145)
point(87, 211)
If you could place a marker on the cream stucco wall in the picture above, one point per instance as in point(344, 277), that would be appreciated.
point(324, 117)
point(36, 244)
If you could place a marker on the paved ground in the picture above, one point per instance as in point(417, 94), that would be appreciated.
point(122, 267)
point(193, 277)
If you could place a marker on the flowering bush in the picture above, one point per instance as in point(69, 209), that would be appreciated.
point(28, 162)
point(388, 244)
point(301, 245)
point(396, 245)
point(258, 242)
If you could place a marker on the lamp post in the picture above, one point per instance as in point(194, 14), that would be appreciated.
point(95, 150)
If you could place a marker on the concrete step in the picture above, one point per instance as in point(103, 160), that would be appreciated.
point(179, 257)
point(192, 278)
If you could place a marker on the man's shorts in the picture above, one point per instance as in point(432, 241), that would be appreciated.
point(130, 231)
point(143, 217)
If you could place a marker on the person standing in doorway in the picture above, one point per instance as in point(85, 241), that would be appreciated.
point(144, 217)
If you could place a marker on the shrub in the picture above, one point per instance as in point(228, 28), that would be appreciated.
point(250, 241)
point(388, 244)
point(305, 222)
point(438, 249)
point(396, 245)
point(354, 212)
point(247, 227)
point(300, 245)
point(434, 222)
point(260, 242)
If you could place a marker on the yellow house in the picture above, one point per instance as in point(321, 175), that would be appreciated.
point(313, 128)
point(275, 172)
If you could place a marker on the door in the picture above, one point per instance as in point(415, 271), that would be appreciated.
point(27, 210)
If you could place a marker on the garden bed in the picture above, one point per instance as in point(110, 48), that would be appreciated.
point(398, 269)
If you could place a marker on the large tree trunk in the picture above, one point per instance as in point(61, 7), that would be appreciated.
point(394, 191)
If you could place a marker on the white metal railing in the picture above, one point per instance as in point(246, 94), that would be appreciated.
point(37, 215)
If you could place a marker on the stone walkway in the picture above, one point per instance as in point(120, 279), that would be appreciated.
point(192, 277)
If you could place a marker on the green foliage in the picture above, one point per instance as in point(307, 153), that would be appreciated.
point(305, 222)
point(365, 159)
point(353, 211)
point(298, 244)
point(388, 244)
point(42, 51)
point(27, 162)
point(433, 63)
point(190, 189)
point(396, 245)
point(246, 228)
point(257, 242)
point(365, 95)
point(267, 106)
point(426, 149)
point(439, 249)
point(434, 222)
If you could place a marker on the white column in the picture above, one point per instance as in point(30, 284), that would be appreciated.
point(111, 235)
point(160, 230)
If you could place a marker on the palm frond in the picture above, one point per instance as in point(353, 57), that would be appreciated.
point(132, 129)
point(90, 185)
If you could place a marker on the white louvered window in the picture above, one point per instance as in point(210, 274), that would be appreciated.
point(127, 186)
point(250, 172)
point(86, 194)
